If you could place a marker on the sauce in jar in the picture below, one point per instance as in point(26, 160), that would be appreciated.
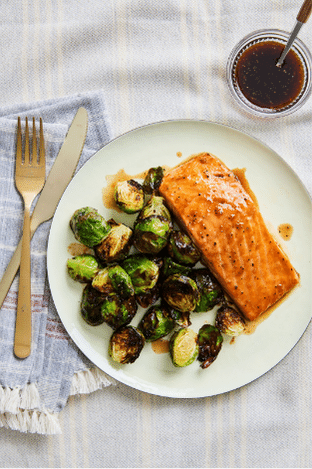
point(262, 82)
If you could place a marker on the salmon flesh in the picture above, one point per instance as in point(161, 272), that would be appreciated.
point(224, 221)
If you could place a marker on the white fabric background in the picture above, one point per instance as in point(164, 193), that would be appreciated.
point(158, 60)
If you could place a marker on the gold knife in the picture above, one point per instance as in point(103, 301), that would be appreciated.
point(61, 173)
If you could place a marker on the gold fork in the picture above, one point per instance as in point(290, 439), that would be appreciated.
point(29, 180)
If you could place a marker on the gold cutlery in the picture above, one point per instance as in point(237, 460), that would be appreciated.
point(57, 181)
point(29, 180)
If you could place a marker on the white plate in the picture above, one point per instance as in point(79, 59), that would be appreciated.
point(282, 199)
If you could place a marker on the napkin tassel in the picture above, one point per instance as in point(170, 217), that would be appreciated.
point(32, 421)
point(89, 380)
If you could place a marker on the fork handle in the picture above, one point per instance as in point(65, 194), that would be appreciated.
point(22, 340)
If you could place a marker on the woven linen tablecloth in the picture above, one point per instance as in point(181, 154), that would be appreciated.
point(35, 389)
point(155, 61)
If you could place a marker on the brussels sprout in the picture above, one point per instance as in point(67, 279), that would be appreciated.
point(153, 179)
point(151, 234)
point(126, 344)
point(180, 292)
point(156, 323)
point(90, 306)
point(116, 245)
point(182, 249)
point(143, 272)
point(210, 290)
point(148, 298)
point(152, 227)
point(183, 347)
point(229, 321)
point(118, 312)
point(210, 342)
point(114, 279)
point(88, 226)
point(83, 268)
point(155, 207)
point(171, 267)
point(182, 319)
point(129, 196)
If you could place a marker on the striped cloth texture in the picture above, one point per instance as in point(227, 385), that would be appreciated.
point(157, 61)
point(35, 389)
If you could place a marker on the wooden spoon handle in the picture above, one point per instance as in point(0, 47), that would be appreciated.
point(305, 11)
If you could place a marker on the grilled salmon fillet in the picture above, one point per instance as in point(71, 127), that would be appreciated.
point(225, 223)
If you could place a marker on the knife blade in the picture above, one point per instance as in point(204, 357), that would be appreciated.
point(60, 175)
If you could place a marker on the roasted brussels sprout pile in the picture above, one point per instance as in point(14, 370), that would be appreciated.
point(153, 265)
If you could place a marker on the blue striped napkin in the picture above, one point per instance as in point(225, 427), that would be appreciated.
point(34, 390)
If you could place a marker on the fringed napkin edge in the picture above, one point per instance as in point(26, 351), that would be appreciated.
point(20, 407)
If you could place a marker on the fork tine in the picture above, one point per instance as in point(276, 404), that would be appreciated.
point(41, 145)
point(26, 152)
point(34, 144)
point(19, 143)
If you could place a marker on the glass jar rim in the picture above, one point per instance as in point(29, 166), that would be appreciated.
point(262, 36)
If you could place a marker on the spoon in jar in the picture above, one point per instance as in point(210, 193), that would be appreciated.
point(302, 17)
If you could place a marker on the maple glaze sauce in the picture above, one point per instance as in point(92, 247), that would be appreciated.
point(262, 82)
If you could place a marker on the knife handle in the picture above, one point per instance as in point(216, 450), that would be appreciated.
point(14, 264)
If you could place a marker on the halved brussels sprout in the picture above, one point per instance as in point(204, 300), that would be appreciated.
point(88, 226)
point(171, 267)
point(155, 207)
point(90, 306)
point(210, 343)
point(153, 179)
point(82, 268)
point(180, 292)
point(129, 196)
point(182, 249)
point(118, 312)
point(126, 344)
point(229, 321)
point(116, 245)
point(156, 323)
point(114, 279)
point(149, 297)
point(143, 272)
point(210, 290)
point(151, 234)
point(182, 319)
point(152, 227)
point(183, 347)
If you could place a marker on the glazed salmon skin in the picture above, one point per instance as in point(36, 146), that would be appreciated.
point(212, 206)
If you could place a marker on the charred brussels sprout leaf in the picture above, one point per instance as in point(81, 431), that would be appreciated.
point(83, 268)
point(90, 306)
point(156, 323)
point(116, 245)
point(182, 249)
point(150, 297)
point(88, 226)
point(153, 179)
point(126, 344)
point(229, 321)
point(210, 290)
point(118, 312)
point(114, 279)
point(180, 292)
point(155, 207)
point(151, 234)
point(129, 196)
point(152, 227)
point(182, 319)
point(171, 267)
point(143, 272)
point(210, 343)
point(183, 347)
